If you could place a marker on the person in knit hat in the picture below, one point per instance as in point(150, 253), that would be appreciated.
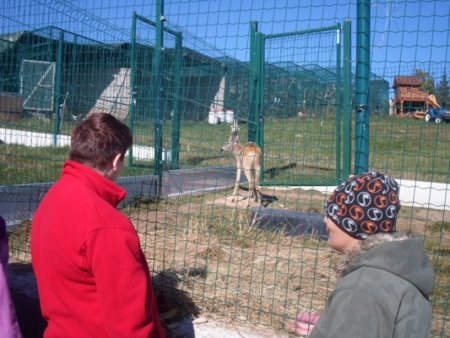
point(384, 277)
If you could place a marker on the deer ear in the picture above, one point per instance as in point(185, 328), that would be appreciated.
point(235, 126)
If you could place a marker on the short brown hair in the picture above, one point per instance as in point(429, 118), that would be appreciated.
point(98, 139)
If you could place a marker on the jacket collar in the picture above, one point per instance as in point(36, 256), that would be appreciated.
point(365, 246)
point(104, 187)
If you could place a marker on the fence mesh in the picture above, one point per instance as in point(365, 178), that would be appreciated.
point(274, 67)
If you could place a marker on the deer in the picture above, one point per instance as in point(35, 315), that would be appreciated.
point(248, 159)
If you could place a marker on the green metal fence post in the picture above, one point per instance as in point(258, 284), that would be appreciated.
point(347, 100)
point(253, 82)
point(362, 87)
point(226, 92)
point(58, 82)
point(256, 89)
point(157, 87)
point(71, 90)
point(132, 107)
point(338, 101)
point(176, 107)
point(260, 98)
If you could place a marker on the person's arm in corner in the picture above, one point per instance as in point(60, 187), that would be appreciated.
point(9, 327)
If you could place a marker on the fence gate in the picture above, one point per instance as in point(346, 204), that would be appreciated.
point(300, 93)
point(37, 85)
point(155, 51)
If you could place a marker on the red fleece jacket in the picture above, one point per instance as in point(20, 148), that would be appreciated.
point(92, 276)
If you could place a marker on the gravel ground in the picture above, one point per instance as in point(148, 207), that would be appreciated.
point(205, 327)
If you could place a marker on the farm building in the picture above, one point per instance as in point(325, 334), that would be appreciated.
point(409, 96)
point(54, 71)
point(51, 69)
point(306, 89)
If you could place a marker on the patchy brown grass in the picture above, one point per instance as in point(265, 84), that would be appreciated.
point(209, 257)
point(229, 267)
point(19, 242)
point(247, 273)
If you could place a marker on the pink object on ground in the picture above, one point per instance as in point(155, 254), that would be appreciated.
point(304, 323)
point(308, 317)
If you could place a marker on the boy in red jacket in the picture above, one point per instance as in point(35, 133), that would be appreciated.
point(92, 275)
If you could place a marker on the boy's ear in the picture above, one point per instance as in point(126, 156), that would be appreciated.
point(116, 161)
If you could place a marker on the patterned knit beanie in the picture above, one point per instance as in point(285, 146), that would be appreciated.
point(365, 205)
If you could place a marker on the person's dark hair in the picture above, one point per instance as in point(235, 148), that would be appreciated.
point(98, 139)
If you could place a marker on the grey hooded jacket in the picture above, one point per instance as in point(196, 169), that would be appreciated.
point(383, 291)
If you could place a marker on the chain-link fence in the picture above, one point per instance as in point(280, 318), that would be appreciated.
point(325, 89)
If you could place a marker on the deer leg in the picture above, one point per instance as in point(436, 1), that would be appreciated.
point(236, 184)
point(257, 187)
point(250, 180)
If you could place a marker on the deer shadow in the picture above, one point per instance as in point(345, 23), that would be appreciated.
point(265, 199)
point(200, 159)
point(274, 171)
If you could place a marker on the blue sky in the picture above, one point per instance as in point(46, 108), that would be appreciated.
point(406, 34)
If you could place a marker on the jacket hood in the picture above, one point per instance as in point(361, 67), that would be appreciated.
point(397, 253)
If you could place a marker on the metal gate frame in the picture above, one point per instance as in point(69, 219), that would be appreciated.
point(156, 89)
point(38, 88)
point(343, 95)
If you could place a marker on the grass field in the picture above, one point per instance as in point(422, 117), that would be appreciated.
point(209, 255)
point(296, 151)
